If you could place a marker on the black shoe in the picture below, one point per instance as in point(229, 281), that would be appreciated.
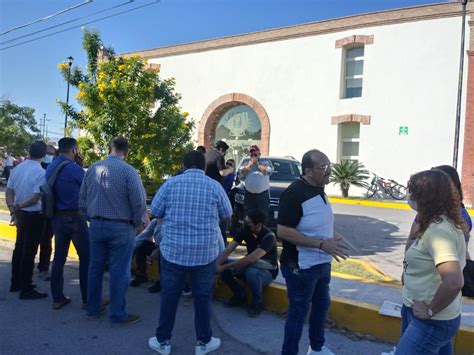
point(254, 310)
point(14, 288)
point(156, 288)
point(137, 281)
point(235, 301)
point(131, 319)
point(102, 311)
point(32, 294)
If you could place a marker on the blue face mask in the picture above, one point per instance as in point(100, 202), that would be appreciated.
point(48, 159)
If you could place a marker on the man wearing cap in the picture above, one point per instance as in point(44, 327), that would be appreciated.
point(257, 182)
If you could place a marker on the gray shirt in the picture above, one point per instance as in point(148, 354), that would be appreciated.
point(255, 181)
point(113, 189)
point(25, 180)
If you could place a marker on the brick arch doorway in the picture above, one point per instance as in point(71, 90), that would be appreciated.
point(215, 111)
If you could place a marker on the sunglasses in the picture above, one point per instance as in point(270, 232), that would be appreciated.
point(325, 167)
point(254, 155)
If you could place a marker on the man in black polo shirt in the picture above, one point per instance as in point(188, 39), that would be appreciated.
point(305, 224)
point(259, 268)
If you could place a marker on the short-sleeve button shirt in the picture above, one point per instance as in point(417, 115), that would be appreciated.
point(25, 180)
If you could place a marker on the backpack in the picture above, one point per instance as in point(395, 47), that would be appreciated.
point(47, 194)
point(468, 273)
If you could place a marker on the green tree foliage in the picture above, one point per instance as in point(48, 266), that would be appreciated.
point(125, 96)
point(349, 173)
point(18, 127)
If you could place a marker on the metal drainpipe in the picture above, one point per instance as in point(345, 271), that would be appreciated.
point(461, 72)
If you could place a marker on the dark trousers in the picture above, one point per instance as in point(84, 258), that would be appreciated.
point(172, 282)
point(29, 229)
point(67, 229)
point(257, 279)
point(305, 287)
point(141, 253)
point(259, 201)
point(7, 172)
point(46, 248)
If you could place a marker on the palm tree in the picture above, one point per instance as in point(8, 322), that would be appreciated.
point(348, 173)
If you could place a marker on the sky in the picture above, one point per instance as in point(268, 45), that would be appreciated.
point(29, 74)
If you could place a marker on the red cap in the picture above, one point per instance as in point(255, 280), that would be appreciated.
point(253, 148)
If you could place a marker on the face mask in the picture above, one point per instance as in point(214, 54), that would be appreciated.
point(48, 159)
point(412, 204)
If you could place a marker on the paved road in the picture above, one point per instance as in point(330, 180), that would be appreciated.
point(32, 327)
point(375, 234)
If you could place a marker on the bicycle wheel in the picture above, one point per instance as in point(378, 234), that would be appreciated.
point(371, 190)
point(398, 192)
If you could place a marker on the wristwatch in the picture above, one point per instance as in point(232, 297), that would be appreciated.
point(430, 312)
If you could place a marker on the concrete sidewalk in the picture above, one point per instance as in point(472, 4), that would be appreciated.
point(33, 327)
point(376, 293)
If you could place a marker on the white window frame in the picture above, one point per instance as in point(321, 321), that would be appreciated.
point(346, 77)
point(347, 140)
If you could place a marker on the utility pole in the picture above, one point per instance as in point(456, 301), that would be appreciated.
point(43, 126)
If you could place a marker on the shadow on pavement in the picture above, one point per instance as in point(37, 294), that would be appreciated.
point(367, 235)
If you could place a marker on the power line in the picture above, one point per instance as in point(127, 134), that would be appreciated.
point(83, 24)
point(46, 17)
point(65, 23)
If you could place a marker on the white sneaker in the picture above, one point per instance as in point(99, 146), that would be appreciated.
point(391, 352)
point(162, 348)
point(324, 351)
point(202, 348)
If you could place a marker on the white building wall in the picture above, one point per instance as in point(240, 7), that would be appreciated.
point(410, 79)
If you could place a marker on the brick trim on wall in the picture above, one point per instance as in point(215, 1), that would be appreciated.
point(355, 39)
point(214, 111)
point(467, 172)
point(352, 117)
point(383, 18)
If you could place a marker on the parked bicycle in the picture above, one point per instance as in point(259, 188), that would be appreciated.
point(388, 187)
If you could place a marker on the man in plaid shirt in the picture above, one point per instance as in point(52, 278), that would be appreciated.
point(191, 205)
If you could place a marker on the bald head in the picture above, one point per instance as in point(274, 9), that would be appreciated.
point(313, 158)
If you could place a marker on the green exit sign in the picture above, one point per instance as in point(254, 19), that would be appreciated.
point(403, 130)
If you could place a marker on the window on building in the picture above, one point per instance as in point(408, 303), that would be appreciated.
point(349, 134)
point(353, 71)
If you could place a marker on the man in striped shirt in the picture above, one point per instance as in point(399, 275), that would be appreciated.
point(114, 200)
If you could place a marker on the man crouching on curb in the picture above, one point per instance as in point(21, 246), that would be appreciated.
point(259, 267)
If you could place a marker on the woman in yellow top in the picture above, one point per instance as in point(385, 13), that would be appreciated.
point(431, 313)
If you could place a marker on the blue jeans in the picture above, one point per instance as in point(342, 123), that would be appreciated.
point(67, 229)
point(172, 284)
point(303, 287)
point(426, 336)
point(257, 279)
point(111, 242)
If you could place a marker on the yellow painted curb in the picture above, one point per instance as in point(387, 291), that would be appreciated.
point(382, 204)
point(8, 233)
point(358, 317)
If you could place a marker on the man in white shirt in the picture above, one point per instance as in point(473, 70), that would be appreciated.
point(24, 201)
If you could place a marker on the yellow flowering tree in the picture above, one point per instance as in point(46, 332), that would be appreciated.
point(125, 96)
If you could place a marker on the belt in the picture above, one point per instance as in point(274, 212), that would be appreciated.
point(113, 220)
point(30, 212)
point(67, 213)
